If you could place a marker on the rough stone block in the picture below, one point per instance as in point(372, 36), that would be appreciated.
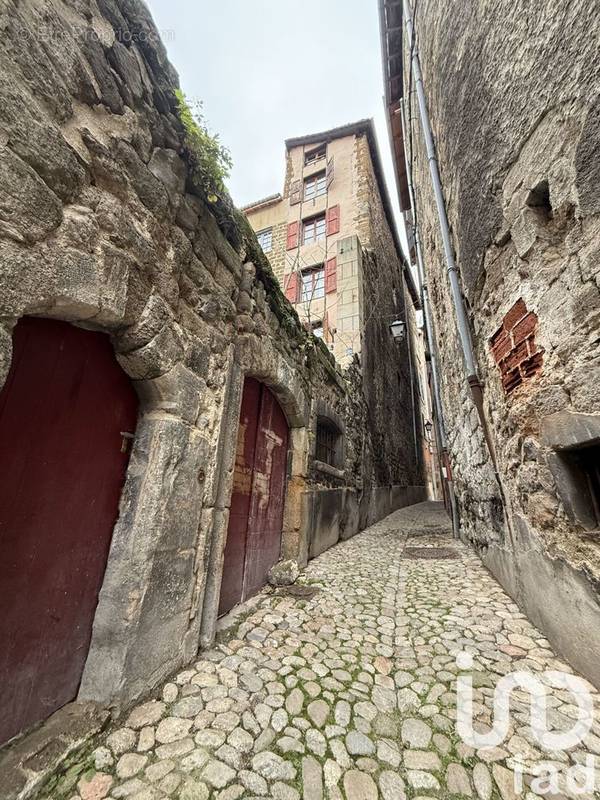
point(30, 210)
point(157, 357)
point(169, 168)
point(151, 565)
point(177, 392)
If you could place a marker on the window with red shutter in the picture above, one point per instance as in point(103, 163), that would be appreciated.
point(331, 275)
point(333, 220)
point(291, 287)
point(292, 236)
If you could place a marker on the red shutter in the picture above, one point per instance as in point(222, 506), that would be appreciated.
point(295, 192)
point(291, 288)
point(292, 235)
point(333, 220)
point(331, 275)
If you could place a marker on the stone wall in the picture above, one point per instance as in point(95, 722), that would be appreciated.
point(390, 372)
point(102, 225)
point(513, 100)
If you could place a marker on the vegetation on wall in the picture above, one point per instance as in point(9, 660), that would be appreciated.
point(210, 164)
point(211, 161)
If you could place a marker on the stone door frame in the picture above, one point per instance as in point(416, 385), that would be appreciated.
point(154, 549)
point(263, 362)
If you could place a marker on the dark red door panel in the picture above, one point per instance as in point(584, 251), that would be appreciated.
point(263, 541)
point(235, 546)
point(256, 515)
point(62, 411)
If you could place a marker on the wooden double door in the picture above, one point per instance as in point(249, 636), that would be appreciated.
point(63, 411)
point(256, 514)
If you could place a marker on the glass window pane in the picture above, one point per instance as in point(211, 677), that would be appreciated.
point(306, 285)
point(265, 239)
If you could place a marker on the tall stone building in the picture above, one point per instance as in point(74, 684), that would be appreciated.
point(334, 207)
point(168, 428)
point(513, 100)
point(332, 242)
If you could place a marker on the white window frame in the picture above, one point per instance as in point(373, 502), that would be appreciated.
point(260, 235)
point(312, 284)
point(312, 224)
point(315, 186)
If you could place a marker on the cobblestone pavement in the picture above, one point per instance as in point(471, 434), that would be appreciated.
point(348, 693)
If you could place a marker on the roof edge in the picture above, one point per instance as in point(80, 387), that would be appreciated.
point(348, 129)
point(265, 201)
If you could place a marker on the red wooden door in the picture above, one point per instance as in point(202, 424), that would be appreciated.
point(62, 410)
point(256, 514)
point(241, 495)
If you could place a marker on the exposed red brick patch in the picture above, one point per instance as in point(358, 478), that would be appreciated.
point(525, 327)
point(513, 316)
point(501, 344)
point(514, 349)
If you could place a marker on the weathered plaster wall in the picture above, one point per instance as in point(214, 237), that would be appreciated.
point(513, 98)
point(101, 225)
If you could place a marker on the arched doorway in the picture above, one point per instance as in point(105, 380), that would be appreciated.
point(67, 414)
point(253, 540)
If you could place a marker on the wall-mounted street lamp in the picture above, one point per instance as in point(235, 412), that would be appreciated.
point(398, 330)
point(429, 427)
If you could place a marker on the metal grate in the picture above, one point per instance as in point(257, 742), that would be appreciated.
point(429, 552)
point(298, 590)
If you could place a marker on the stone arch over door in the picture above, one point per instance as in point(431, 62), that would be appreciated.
point(260, 360)
point(144, 626)
point(67, 415)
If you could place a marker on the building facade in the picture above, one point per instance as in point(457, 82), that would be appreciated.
point(334, 206)
point(513, 105)
point(158, 392)
point(331, 239)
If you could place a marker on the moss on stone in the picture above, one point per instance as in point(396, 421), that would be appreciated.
point(283, 310)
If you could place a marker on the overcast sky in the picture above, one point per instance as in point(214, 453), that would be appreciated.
point(268, 70)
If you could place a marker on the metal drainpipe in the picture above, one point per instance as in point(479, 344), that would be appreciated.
point(412, 393)
point(431, 343)
point(461, 316)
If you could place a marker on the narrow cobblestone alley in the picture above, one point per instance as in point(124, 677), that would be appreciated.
point(341, 687)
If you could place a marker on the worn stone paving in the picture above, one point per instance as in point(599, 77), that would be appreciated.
point(348, 694)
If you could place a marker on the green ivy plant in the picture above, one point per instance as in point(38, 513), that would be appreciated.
point(211, 161)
